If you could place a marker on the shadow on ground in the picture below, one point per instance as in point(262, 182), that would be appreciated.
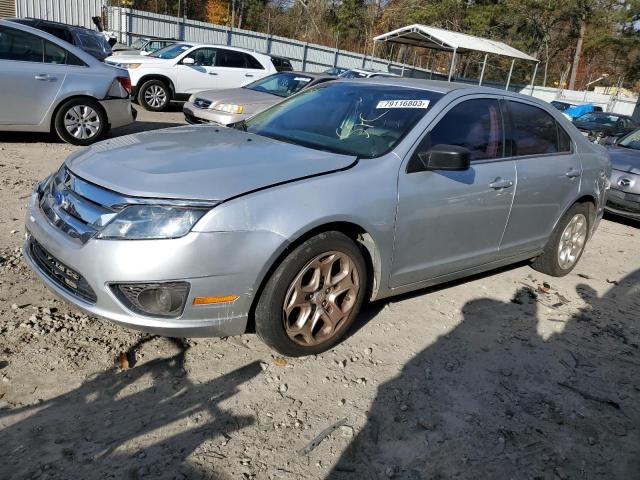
point(71, 436)
point(496, 398)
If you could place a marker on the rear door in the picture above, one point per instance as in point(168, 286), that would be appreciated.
point(449, 221)
point(549, 173)
point(32, 71)
point(236, 69)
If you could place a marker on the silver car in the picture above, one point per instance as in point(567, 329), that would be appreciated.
point(47, 84)
point(346, 192)
point(235, 104)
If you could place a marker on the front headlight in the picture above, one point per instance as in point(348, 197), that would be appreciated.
point(191, 98)
point(229, 108)
point(132, 66)
point(138, 222)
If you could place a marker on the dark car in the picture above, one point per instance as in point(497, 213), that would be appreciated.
point(623, 198)
point(562, 106)
point(282, 64)
point(601, 126)
point(91, 41)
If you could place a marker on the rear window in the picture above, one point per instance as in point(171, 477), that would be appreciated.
point(533, 131)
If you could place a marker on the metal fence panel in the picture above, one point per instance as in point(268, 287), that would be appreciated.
point(75, 12)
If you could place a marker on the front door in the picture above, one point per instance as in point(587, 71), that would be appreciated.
point(549, 172)
point(201, 75)
point(33, 71)
point(451, 221)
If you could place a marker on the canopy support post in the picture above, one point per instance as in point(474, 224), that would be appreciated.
point(533, 79)
point(373, 52)
point(453, 64)
point(510, 72)
point(484, 65)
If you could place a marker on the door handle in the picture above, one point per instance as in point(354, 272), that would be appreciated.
point(499, 184)
point(248, 75)
point(213, 73)
point(45, 77)
point(573, 173)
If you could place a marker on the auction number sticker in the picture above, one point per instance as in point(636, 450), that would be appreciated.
point(403, 104)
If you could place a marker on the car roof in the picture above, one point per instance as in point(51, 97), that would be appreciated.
point(216, 45)
point(78, 52)
point(42, 21)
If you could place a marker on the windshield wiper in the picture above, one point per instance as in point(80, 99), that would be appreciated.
point(240, 125)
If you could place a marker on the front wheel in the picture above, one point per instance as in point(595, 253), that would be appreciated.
point(154, 95)
point(566, 244)
point(313, 296)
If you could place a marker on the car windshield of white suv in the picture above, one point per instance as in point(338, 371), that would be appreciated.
point(172, 51)
point(631, 141)
point(280, 84)
point(347, 118)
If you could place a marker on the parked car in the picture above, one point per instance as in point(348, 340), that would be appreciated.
point(182, 69)
point(47, 84)
point(577, 110)
point(91, 41)
point(236, 104)
point(347, 191)
point(143, 46)
point(361, 73)
point(335, 71)
point(604, 127)
point(562, 106)
point(624, 196)
point(282, 64)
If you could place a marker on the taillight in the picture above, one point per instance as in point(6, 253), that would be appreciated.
point(125, 82)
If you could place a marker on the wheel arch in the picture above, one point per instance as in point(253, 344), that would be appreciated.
point(54, 114)
point(156, 76)
point(591, 203)
point(355, 232)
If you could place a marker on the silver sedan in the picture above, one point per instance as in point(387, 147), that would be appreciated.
point(348, 192)
point(47, 84)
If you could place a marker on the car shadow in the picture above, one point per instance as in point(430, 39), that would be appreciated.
point(106, 428)
point(516, 390)
point(629, 222)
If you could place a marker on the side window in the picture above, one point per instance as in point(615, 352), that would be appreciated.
point(61, 33)
point(20, 46)
point(230, 58)
point(54, 54)
point(533, 130)
point(251, 62)
point(88, 41)
point(564, 140)
point(473, 124)
point(205, 57)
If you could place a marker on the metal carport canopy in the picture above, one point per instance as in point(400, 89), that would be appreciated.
point(445, 40)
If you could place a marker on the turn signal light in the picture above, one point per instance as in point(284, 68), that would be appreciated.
point(210, 300)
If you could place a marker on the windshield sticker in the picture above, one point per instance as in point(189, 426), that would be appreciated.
point(403, 104)
point(302, 79)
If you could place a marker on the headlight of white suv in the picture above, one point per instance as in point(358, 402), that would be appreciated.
point(138, 222)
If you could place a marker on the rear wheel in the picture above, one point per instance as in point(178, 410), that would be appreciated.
point(566, 244)
point(154, 95)
point(313, 296)
point(80, 121)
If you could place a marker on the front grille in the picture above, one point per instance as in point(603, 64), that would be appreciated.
point(201, 103)
point(63, 276)
point(76, 207)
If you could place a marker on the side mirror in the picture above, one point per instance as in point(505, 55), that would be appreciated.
point(188, 61)
point(440, 157)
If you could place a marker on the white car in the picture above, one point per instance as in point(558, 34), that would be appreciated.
point(177, 71)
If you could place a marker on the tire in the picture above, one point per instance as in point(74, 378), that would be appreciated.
point(333, 299)
point(154, 95)
point(80, 121)
point(573, 227)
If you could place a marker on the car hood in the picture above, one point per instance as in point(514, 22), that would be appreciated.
point(595, 127)
point(625, 159)
point(250, 99)
point(199, 162)
point(134, 59)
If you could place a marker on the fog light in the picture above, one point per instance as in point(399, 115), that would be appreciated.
point(153, 299)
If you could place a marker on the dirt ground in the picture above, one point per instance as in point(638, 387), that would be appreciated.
point(506, 375)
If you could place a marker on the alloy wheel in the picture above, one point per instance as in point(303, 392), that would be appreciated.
point(82, 122)
point(572, 241)
point(155, 96)
point(320, 298)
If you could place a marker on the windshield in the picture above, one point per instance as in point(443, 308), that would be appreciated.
point(602, 119)
point(347, 118)
point(280, 84)
point(631, 141)
point(139, 43)
point(172, 51)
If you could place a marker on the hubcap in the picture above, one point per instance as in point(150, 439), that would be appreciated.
point(572, 241)
point(321, 298)
point(82, 121)
point(155, 96)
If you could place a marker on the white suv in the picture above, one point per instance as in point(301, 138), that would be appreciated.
point(177, 71)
